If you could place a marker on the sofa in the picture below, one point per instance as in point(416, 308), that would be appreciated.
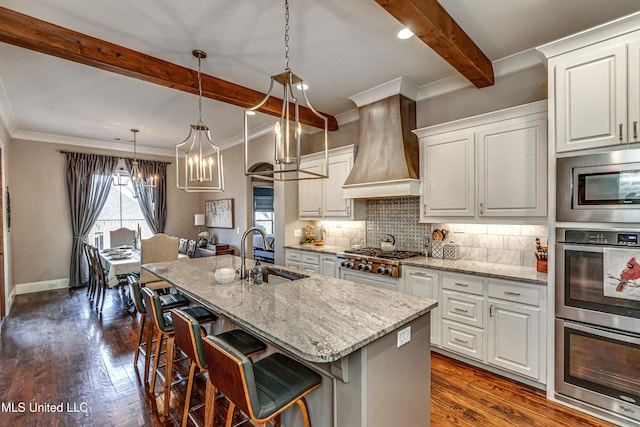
point(259, 252)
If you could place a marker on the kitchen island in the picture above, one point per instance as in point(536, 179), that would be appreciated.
point(346, 331)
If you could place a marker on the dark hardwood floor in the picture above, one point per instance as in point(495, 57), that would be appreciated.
point(55, 351)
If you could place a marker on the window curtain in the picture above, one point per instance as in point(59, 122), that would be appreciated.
point(152, 201)
point(88, 184)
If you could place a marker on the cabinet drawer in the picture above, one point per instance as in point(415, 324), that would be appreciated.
point(467, 309)
point(515, 292)
point(463, 339)
point(310, 258)
point(293, 256)
point(462, 283)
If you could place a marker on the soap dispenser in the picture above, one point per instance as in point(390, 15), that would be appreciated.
point(256, 272)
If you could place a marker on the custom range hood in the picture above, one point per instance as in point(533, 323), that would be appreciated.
point(387, 164)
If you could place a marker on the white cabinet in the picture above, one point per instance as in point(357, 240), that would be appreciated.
point(499, 323)
point(425, 283)
point(591, 89)
point(329, 265)
point(484, 167)
point(449, 175)
point(322, 198)
point(515, 330)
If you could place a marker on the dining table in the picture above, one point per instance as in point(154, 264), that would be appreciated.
point(118, 265)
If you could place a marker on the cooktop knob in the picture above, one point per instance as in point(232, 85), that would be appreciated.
point(361, 266)
point(387, 271)
point(367, 267)
point(380, 270)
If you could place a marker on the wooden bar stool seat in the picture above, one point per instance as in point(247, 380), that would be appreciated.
point(262, 390)
point(163, 326)
point(188, 332)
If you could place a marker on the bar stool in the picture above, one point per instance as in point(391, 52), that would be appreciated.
point(167, 302)
point(189, 339)
point(262, 390)
point(164, 328)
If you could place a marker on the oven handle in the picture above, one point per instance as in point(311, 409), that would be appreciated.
point(612, 334)
point(581, 248)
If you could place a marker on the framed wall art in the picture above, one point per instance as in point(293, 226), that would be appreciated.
point(219, 213)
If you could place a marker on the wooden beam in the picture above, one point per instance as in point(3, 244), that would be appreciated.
point(434, 26)
point(31, 33)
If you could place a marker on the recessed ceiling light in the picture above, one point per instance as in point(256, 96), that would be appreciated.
point(405, 33)
point(302, 86)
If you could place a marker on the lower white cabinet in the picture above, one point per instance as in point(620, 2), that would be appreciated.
point(329, 265)
point(500, 323)
point(302, 260)
point(425, 283)
point(311, 262)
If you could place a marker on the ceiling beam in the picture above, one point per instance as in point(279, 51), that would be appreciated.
point(434, 26)
point(31, 33)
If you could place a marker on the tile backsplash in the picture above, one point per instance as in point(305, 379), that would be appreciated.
point(500, 244)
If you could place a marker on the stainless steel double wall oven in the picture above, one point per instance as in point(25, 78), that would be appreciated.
point(597, 282)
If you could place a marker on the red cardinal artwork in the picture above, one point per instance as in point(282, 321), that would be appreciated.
point(629, 274)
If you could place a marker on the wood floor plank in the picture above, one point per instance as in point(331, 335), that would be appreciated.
point(54, 347)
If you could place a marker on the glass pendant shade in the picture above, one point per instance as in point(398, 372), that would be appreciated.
point(198, 160)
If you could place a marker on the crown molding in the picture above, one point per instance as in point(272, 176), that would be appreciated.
point(399, 85)
point(83, 142)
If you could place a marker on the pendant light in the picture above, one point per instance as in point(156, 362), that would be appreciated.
point(198, 159)
point(137, 178)
point(287, 130)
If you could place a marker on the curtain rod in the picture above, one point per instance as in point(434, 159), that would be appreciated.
point(117, 157)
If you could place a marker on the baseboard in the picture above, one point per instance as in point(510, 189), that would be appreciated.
point(47, 285)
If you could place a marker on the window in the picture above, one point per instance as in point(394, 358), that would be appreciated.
point(120, 210)
point(263, 208)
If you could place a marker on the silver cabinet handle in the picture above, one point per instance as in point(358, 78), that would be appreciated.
point(424, 211)
point(635, 130)
point(461, 310)
point(491, 310)
point(512, 293)
point(348, 209)
point(319, 209)
point(620, 131)
point(464, 285)
point(481, 208)
point(462, 341)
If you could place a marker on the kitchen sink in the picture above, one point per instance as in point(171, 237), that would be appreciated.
point(276, 275)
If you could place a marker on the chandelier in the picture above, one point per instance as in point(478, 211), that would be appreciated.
point(137, 178)
point(198, 159)
point(287, 130)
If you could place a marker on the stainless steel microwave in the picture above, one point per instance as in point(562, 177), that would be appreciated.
point(603, 187)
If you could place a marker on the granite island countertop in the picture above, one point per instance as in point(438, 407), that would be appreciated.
point(318, 318)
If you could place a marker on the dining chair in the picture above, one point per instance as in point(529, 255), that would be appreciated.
point(158, 248)
point(163, 328)
point(91, 284)
point(121, 237)
point(262, 390)
point(189, 332)
point(99, 277)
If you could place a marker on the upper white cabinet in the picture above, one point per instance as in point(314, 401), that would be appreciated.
point(322, 198)
point(488, 166)
point(594, 86)
point(591, 97)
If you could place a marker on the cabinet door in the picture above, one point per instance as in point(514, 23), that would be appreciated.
point(634, 91)
point(591, 97)
point(514, 338)
point(339, 168)
point(310, 191)
point(426, 284)
point(449, 175)
point(512, 168)
point(329, 266)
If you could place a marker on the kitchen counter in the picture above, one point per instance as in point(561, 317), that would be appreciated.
point(371, 346)
point(328, 249)
point(486, 269)
point(317, 318)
